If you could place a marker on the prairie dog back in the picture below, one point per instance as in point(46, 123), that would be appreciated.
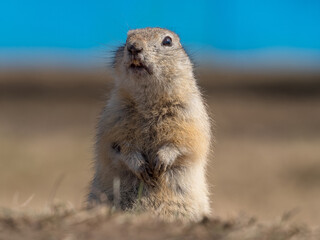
point(154, 132)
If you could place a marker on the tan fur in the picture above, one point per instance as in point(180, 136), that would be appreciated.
point(157, 121)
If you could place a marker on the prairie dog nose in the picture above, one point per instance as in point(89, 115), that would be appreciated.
point(134, 48)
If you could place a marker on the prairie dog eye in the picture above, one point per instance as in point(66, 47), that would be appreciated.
point(167, 41)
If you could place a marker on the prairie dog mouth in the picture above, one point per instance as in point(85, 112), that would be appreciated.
point(137, 65)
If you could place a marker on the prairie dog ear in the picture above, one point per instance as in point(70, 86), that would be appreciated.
point(130, 32)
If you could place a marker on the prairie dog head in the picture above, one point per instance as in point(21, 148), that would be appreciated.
point(152, 55)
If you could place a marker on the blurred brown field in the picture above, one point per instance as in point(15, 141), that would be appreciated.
point(265, 162)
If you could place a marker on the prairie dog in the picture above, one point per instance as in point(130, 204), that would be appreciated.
point(154, 132)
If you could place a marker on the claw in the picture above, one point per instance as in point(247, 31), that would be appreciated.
point(163, 168)
point(149, 171)
point(160, 167)
point(145, 176)
point(148, 180)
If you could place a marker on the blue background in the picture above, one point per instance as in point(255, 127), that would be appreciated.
point(233, 25)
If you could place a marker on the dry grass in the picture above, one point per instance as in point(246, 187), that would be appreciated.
point(265, 161)
point(61, 222)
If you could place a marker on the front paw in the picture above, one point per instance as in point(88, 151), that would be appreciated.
point(116, 147)
point(164, 160)
point(145, 174)
point(160, 166)
point(139, 166)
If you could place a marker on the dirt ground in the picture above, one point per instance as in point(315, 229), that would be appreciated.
point(265, 162)
point(63, 223)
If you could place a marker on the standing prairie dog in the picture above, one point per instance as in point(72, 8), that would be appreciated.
point(154, 132)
